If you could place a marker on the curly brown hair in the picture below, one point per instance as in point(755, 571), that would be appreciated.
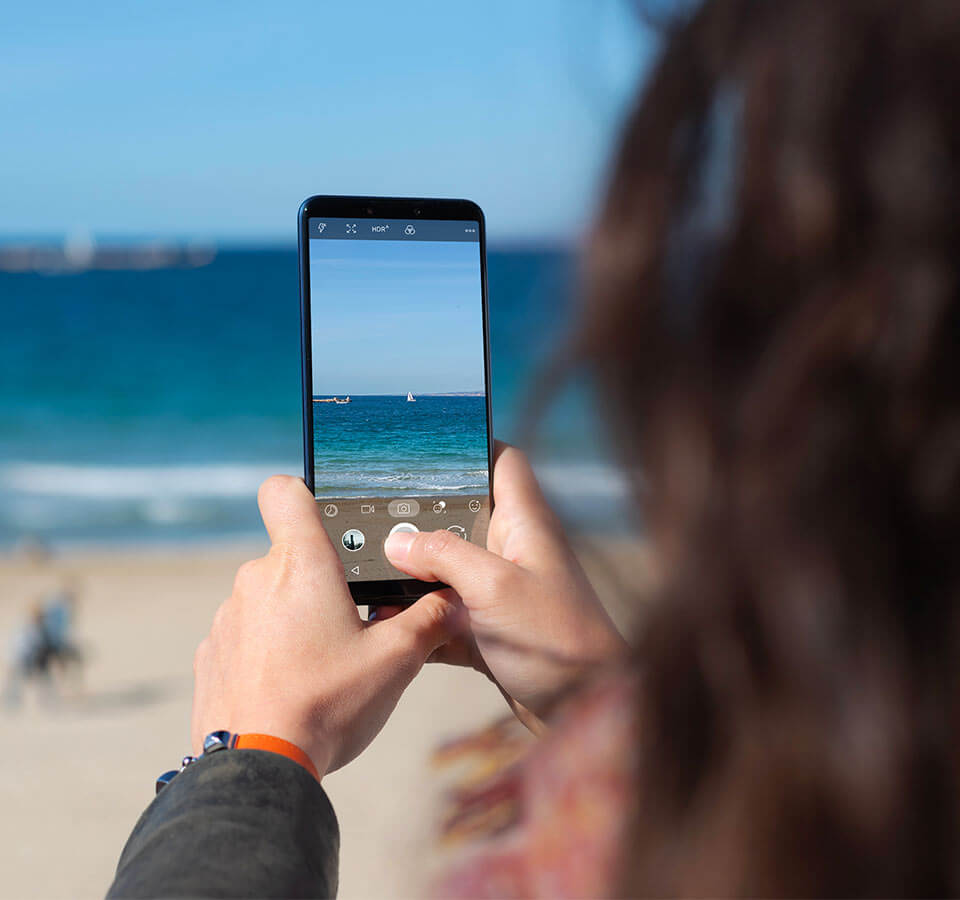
point(773, 286)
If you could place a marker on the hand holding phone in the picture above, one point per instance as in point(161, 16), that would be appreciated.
point(535, 622)
point(287, 654)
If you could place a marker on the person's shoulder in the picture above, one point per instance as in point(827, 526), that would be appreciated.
point(551, 822)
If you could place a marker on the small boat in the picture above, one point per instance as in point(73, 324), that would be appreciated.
point(410, 398)
point(340, 402)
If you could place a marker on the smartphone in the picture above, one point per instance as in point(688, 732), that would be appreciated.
point(396, 373)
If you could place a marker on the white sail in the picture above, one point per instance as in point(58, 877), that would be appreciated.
point(410, 398)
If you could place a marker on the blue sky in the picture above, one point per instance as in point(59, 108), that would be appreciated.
point(214, 120)
point(391, 316)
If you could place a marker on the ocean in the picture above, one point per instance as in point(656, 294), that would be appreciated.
point(143, 406)
point(387, 446)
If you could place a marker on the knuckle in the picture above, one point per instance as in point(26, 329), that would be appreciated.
point(246, 575)
point(284, 554)
point(437, 543)
point(437, 612)
point(285, 564)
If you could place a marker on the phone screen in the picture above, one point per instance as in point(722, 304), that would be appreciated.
point(400, 419)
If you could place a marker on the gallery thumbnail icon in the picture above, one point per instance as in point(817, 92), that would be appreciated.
point(353, 539)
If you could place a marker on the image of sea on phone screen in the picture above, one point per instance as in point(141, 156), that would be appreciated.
point(400, 426)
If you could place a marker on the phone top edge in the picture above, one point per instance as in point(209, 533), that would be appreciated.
point(387, 207)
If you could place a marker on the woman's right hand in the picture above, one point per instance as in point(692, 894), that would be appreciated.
point(535, 622)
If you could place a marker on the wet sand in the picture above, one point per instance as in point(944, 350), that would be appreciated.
point(76, 775)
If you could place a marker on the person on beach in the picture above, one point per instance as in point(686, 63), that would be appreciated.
point(43, 648)
point(59, 615)
point(772, 299)
point(28, 660)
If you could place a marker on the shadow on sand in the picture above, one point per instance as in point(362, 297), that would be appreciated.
point(132, 696)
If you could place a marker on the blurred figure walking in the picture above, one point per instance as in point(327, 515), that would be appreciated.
point(44, 651)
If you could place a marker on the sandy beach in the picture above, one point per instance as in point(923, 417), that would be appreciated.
point(76, 775)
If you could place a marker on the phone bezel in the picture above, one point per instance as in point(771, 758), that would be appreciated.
point(400, 590)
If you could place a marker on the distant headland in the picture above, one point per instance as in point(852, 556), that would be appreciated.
point(80, 253)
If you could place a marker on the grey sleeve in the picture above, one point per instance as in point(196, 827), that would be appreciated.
point(238, 823)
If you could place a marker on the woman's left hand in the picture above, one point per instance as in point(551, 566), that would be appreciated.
point(288, 654)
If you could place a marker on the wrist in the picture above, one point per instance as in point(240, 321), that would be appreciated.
point(220, 741)
point(271, 744)
point(261, 722)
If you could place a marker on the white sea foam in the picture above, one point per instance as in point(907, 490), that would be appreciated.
point(148, 482)
point(118, 482)
point(90, 498)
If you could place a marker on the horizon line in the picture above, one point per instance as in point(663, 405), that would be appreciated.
point(404, 394)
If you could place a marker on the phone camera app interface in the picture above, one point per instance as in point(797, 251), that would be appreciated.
point(400, 431)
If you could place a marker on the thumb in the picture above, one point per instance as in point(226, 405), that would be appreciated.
point(431, 622)
point(442, 556)
point(419, 630)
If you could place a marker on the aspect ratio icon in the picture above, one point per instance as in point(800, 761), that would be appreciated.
point(409, 230)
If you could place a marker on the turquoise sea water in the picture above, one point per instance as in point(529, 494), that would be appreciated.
point(141, 406)
point(384, 446)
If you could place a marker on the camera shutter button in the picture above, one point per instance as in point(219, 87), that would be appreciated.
point(404, 526)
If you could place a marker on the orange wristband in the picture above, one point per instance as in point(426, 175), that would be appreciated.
point(276, 745)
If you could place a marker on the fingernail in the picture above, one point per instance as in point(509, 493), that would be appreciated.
point(397, 546)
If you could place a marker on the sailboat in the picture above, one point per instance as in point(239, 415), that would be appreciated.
point(410, 398)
